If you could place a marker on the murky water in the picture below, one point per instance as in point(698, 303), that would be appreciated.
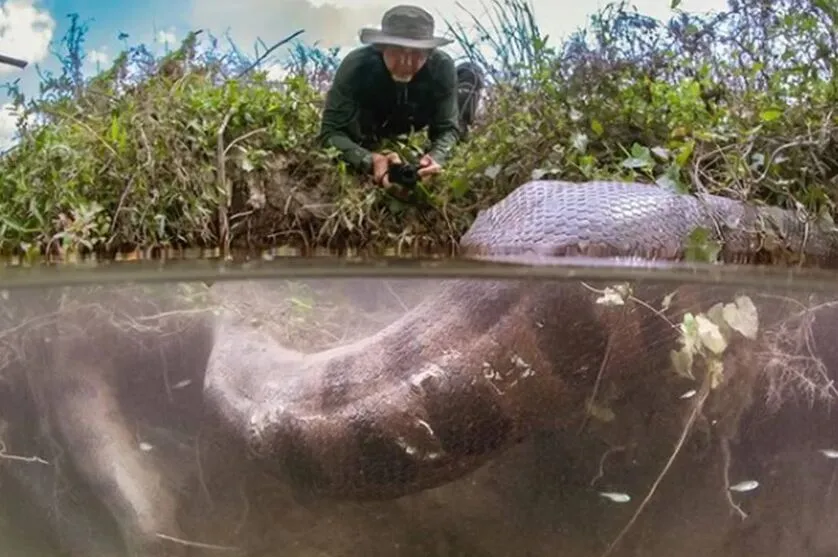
point(406, 408)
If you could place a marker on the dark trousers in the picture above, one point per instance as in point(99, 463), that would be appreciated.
point(469, 86)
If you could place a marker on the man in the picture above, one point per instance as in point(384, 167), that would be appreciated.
point(397, 83)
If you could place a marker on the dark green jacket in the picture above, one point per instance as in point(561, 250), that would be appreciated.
point(364, 105)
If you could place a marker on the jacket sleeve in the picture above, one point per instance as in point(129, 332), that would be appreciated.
point(339, 113)
point(444, 129)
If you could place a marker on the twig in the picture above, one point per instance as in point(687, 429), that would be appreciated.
point(705, 392)
point(223, 223)
point(267, 52)
point(243, 137)
point(197, 544)
point(725, 444)
point(33, 459)
point(605, 359)
point(601, 470)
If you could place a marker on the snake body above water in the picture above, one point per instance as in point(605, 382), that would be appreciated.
point(616, 219)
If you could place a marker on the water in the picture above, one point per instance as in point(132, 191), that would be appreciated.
point(432, 407)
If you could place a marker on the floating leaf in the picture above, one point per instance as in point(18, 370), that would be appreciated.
point(710, 335)
point(682, 362)
point(715, 368)
point(611, 297)
point(742, 316)
point(601, 413)
point(689, 332)
point(716, 314)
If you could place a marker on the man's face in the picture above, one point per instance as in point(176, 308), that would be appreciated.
point(402, 62)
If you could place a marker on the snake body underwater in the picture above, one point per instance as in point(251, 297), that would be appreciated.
point(469, 371)
point(461, 377)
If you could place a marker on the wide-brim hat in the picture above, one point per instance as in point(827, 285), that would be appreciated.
point(408, 26)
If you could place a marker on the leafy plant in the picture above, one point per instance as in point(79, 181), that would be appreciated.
point(152, 150)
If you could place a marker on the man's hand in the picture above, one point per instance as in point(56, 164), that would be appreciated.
point(428, 167)
point(381, 164)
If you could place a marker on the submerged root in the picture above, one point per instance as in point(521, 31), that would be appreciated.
point(793, 365)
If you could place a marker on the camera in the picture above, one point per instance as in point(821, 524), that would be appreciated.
point(403, 174)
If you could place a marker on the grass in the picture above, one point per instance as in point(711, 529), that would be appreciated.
point(200, 148)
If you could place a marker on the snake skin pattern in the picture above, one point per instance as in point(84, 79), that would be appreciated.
point(620, 219)
point(464, 375)
point(426, 400)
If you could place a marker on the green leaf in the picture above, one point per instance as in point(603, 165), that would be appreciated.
point(684, 153)
point(710, 335)
point(682, 362)
point(666, 182)
point(633, 162)
point(640, 157)
point(700, 247)
point(770, 115)
point(641, 151)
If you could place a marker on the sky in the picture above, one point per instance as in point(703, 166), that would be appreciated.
point(30, 29)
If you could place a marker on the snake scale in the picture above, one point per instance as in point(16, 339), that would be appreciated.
point(476, 367)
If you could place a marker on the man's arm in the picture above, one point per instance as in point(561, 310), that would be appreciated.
point(339, 112)
point(444, 129)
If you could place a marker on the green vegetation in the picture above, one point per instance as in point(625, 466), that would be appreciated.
point(741, 103)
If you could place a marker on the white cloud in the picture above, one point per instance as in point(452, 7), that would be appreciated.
point(8, 128)
point(25, 32)
point(276, 72)
point(336, 22)
point(168, 38)
point(331, 24)
point(98, 57)
point(8, 125)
